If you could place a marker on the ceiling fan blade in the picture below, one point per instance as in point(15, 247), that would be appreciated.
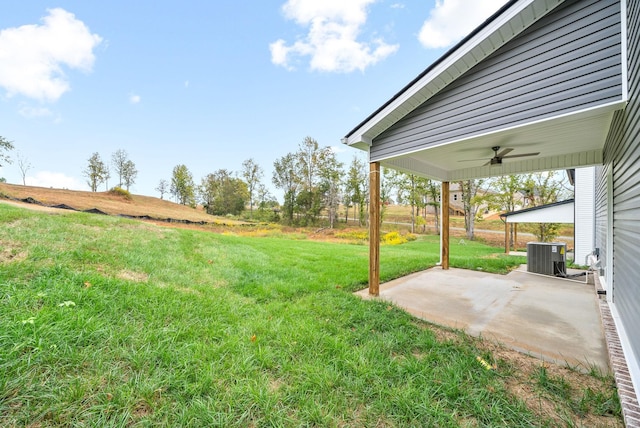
point(504, 152)
point(469, 160)
point(521, 156)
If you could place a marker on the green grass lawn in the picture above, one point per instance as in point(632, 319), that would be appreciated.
point(111, 322)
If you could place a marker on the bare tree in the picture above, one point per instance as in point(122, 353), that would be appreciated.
point(24, 165)
point(107, 176)
point(163, 187)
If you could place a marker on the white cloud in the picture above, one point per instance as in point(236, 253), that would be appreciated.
point(56, 180)
point(451, 20)
point(134, 99)
point(31, 112)
point(332, 40)
point(32, 56)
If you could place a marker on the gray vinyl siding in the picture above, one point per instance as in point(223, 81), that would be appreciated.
point(601, 218)
point(567, 61)
point(615, 135)
point(623, 157)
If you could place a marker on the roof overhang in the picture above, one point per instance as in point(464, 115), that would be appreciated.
point(558, 212)
point(504, 25)
point(571, 140)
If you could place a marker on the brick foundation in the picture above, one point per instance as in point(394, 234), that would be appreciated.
point(626, 392)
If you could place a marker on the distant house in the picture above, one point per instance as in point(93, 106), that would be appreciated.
point(555, 81)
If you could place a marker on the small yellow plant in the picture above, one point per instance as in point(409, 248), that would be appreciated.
point(395, 238)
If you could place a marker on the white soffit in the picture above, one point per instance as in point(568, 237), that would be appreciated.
point(567, 141)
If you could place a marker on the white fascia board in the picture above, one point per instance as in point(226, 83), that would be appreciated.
point(456, 64)
point(623, 46)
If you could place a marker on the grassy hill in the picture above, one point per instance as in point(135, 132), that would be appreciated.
point(106, 321)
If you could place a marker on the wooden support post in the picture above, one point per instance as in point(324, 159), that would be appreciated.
point(515, 236)
point(374, 229)
point(445, 225)
point(506, 236)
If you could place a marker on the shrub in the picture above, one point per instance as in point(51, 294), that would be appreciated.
point(395, 238)
point(119, 191)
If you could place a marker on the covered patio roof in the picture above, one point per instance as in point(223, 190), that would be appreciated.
point(541, 79)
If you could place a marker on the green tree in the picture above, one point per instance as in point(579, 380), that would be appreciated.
point(330, 173)
point(96, 172)
point(5, 146)
point(506, 196)
point(268, 206)
point(222, 194)
point(252, 174)
point(309, 158)
point(388, 181)
point(356, 189)
point(129, 174)
point(432, 199)
point(182, 186)
point(544, 188)
point(471, 199)
point(119, 160)
point(285, 177)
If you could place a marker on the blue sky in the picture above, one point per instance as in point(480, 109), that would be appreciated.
point(204, 83)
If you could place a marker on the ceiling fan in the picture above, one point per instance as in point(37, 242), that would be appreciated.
point(497, 157)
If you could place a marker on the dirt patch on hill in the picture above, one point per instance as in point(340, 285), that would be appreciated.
point(137, 206)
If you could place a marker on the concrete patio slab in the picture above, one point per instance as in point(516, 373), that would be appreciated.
point(555, 319)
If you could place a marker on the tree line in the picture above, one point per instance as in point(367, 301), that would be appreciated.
point(497, 194)
point(319, 189)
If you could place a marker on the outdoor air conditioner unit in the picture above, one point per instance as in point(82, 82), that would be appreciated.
point(547, 258)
